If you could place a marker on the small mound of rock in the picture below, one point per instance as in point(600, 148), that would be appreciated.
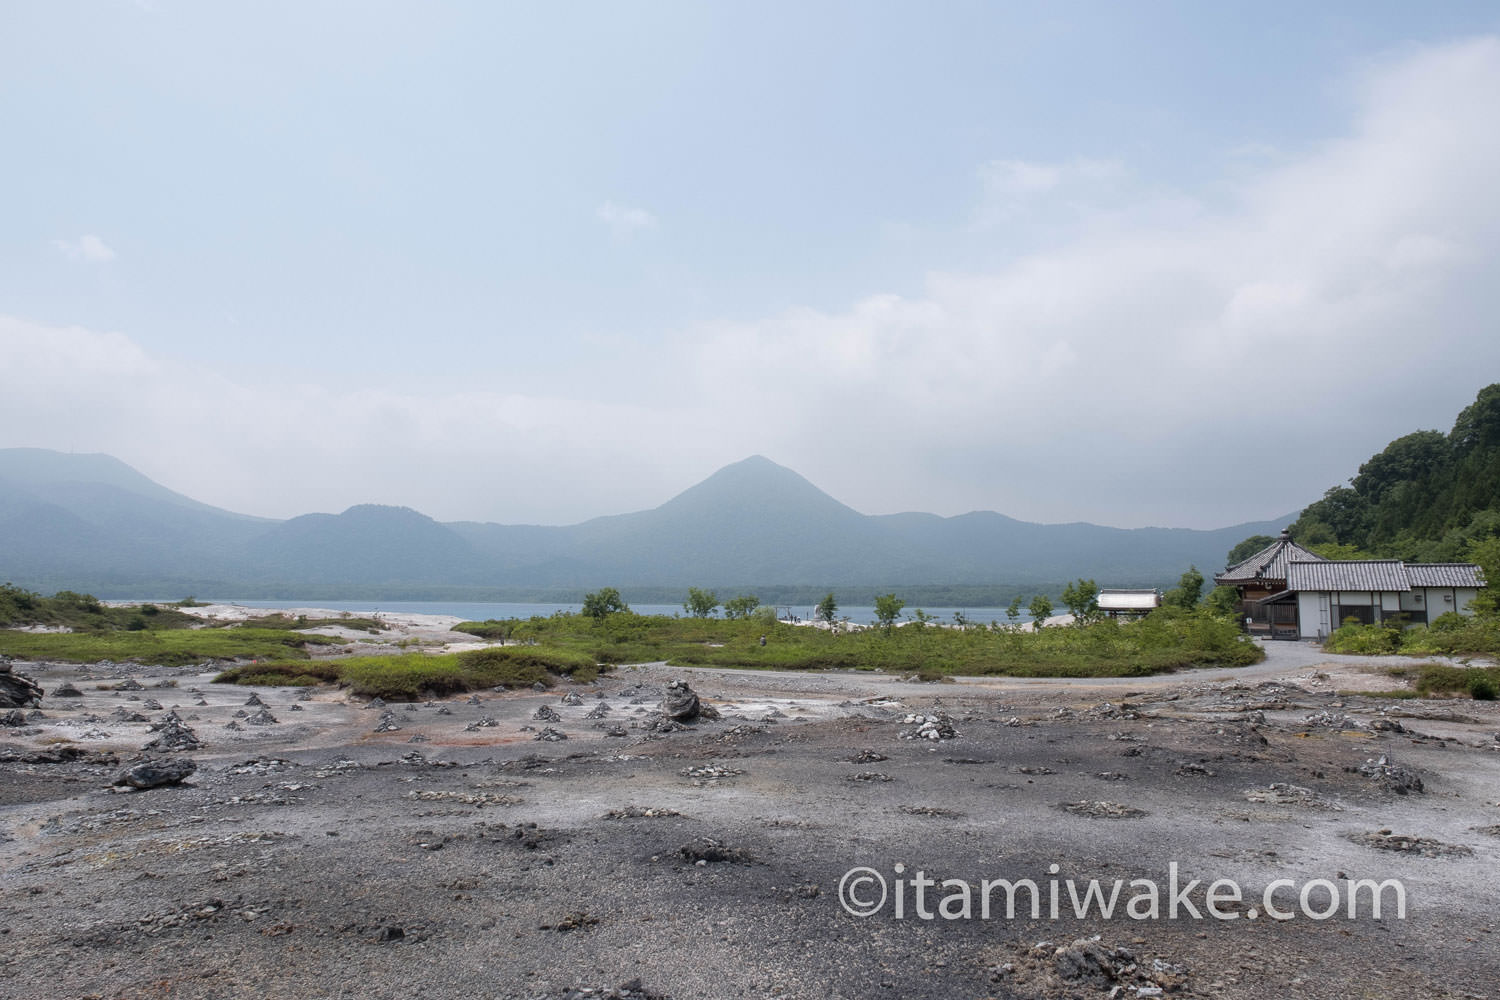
point(173, 734)
point(1391, 776)
point(709, 772)
point(550, 735)
point(1332, 720)
point(937, 726)
point(641, 812)
point(1385, 840)
point(681, 703)
point(546, 713)
point(1283, 794)
point(1102, 810)
point(632, 990)
point(706, 851)
point(1088, 967)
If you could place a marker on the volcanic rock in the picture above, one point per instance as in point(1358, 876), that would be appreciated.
point(155, 773)
point(18, 690)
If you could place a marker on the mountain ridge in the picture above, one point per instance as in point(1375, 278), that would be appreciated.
point(750, 523)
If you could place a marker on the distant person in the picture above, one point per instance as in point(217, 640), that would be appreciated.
point(762, 640)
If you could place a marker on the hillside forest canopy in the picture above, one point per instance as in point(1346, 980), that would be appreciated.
point(1427, 497)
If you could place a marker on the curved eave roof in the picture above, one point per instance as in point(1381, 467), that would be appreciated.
point(1269, 564)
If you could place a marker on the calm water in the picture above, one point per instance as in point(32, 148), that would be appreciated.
point(478, 611)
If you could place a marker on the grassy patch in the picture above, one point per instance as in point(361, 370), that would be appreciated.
point(1439, 679)
point(412, 676)
point(1164, 641)
point(287, 622)
point(172, 648)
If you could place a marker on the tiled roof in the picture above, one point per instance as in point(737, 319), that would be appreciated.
point(1129, 600)
point(1270, 563)
point(1444, 575)
point(1347, 574)
point(1379, 574)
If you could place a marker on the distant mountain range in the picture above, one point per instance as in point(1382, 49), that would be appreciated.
point(90, 522)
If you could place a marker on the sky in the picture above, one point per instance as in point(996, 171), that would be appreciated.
point(1172, 264)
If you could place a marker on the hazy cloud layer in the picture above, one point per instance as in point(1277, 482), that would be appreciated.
point(623, 219)
point(1173, 360)
point(87, 247)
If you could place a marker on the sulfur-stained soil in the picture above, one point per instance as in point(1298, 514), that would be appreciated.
point(454, 854)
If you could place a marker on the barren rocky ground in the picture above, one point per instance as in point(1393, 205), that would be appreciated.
point(329, 848)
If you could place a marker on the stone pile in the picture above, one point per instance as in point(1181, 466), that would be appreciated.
point(173, 734)
point(1390, 775)
point(935, 726)
point(681, 703)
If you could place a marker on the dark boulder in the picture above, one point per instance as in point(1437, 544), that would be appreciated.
point(156, 773)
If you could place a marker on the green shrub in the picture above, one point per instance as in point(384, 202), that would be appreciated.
point(1442, 679)
point(413, 676)
point(1367, 640)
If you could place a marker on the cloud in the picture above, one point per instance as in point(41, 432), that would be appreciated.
point(86, 248)
point(624, 220)
point(1170, 362)
point(275, 447)
point(1163, 360)
point(1011, 187)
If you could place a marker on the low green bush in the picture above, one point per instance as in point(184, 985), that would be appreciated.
point(1440, 679)
point(414, 676)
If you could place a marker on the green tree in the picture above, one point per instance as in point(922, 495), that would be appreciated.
point(1246, 549)
point(1486, 553)
point(1224, 602)
point(700, 603)
point(1478, 426)
point(1082, 600)
point(887, 607)
point(1187, 593)
point(603, 603)
point(742, 606)
point(1041, 609)
point(1013, 612)
point(827, 607)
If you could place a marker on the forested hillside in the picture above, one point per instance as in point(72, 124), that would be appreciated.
point(1428, 497)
